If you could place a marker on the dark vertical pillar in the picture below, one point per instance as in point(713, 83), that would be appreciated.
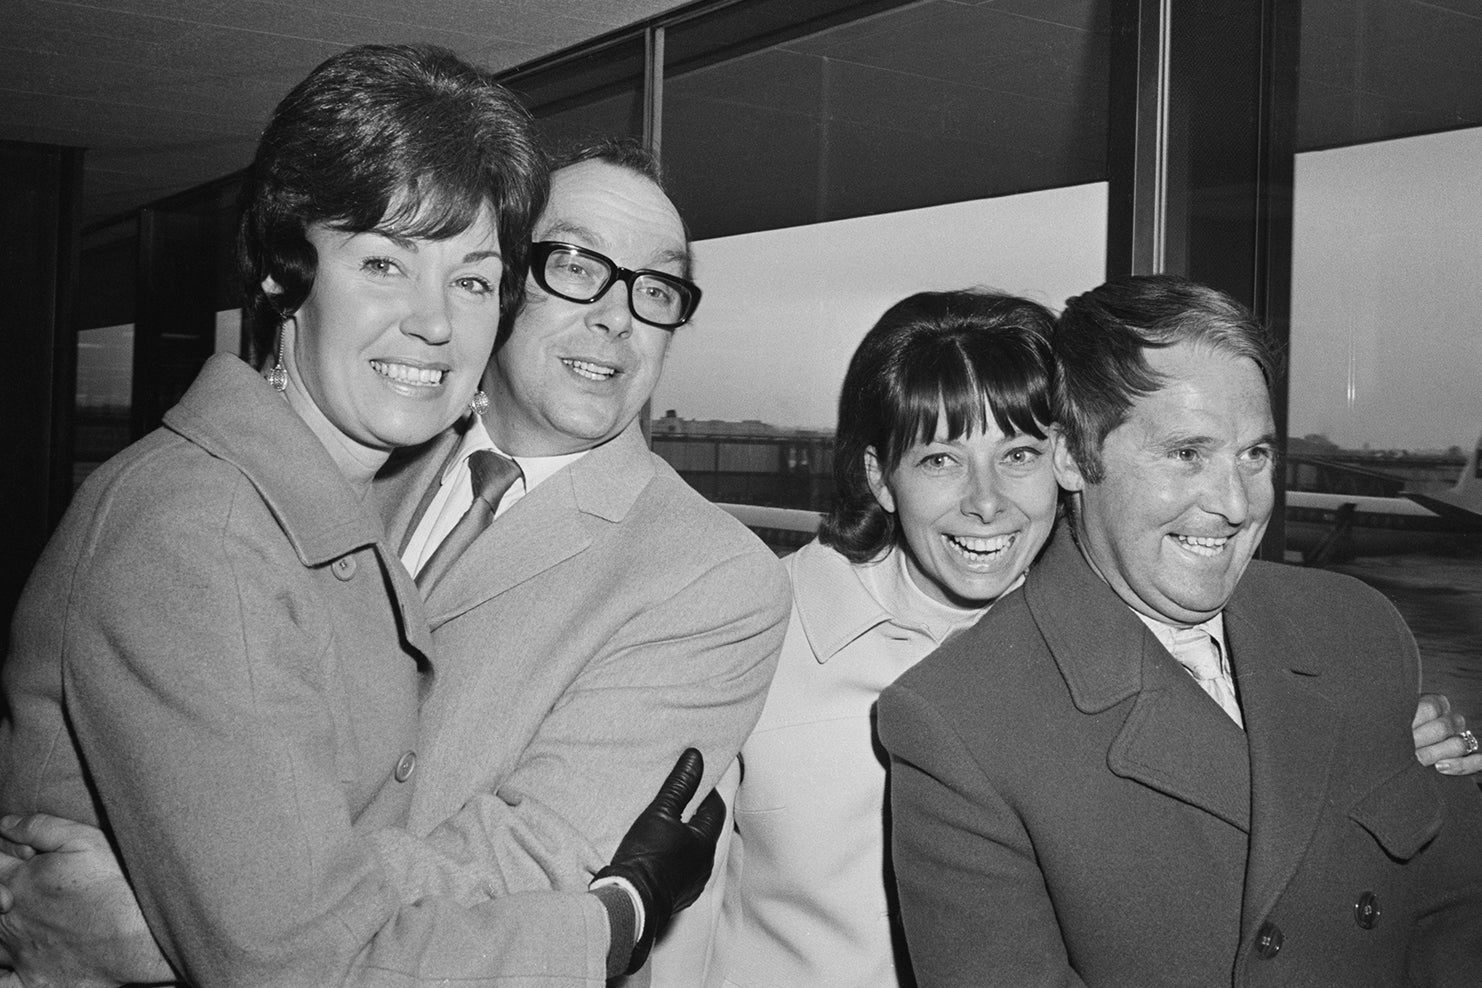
point(39, 190)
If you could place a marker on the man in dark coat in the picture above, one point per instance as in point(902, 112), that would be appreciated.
point(1074, 805)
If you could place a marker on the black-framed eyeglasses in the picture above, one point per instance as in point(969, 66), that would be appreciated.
point(581, 275)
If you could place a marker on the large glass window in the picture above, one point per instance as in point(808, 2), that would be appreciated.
point(1386, 296)
point(828, 173)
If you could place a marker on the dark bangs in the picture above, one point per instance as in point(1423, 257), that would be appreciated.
point(964, 372)
point(441, 161)
point(410, 199)
point(956, 352)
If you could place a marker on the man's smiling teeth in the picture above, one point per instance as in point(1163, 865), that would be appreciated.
point(592, 372)
point(1201, 545)
point(978, 546)
point(405, 374)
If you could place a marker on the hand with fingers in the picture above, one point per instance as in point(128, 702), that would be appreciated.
point(1442, 738)
point(665, 859)
point(67, 914)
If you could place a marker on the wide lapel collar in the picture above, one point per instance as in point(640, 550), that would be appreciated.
point(1175, 739)
point(833, 606)
point(231, 413)
point(410, 479)
point(552, 523)
point(1294, 733)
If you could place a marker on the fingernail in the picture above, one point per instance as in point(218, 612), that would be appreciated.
point(9, 820)
point(1448, 766)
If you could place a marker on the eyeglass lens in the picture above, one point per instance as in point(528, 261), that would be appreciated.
point(583, 276)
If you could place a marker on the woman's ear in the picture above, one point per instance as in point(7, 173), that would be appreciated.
point(879, 486)
point(274, 292)
point(1067, 470)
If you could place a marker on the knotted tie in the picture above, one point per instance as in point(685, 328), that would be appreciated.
point(1199, 653)
point(492, 475)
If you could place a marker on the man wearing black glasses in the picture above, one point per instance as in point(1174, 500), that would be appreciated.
point(608, 616)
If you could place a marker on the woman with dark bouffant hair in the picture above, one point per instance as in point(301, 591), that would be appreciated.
point(943, 496)
point(220, 662)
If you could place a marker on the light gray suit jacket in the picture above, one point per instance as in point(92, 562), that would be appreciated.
point(609, 619)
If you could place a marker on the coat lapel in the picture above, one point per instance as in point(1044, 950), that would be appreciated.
point(1175, 739)
point(549, 525)
point(406, 485)
point(553, 523)
point(542, 529)
point(1295, 734)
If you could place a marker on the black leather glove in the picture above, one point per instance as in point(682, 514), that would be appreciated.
point(667, 860)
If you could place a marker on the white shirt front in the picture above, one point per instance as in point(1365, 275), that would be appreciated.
point(455, 493)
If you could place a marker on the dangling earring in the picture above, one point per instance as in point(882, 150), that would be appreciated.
point(479, 404)
point(278, 376)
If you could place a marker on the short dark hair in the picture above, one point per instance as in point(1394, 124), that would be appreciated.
point(628, 153)
point(624, 152)
point(407, 139)
point(958, 352)
point(1102, 337)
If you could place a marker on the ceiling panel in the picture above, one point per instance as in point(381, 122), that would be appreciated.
point(169, 94)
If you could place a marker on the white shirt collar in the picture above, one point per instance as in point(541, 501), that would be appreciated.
point(535, 469)
point(1214, 628)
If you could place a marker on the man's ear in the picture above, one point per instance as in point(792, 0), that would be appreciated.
point(876, 478)
point(1067, 470)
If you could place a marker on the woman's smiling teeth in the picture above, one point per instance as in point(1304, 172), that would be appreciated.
point(406, 374)
point(1202, 545)
point(590, 371)
point(979, 548)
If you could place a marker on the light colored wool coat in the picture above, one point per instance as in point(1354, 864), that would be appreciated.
point(220, 660)
point(806, 900)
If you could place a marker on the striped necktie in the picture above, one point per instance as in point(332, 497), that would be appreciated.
point(492, 475)
point(1199, 653)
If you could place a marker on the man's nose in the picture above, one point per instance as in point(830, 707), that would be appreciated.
point(1227, 492)
point(609, 313)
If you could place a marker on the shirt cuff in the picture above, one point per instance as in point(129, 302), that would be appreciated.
point(633, 896)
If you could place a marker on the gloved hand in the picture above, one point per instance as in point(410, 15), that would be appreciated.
point(666, 859)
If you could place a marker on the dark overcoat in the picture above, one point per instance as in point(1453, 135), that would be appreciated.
point(1070, 808)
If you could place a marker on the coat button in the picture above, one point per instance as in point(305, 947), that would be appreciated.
point(1366, 910)
point(405, 766)
point(1268, 940)
point(343, 568)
